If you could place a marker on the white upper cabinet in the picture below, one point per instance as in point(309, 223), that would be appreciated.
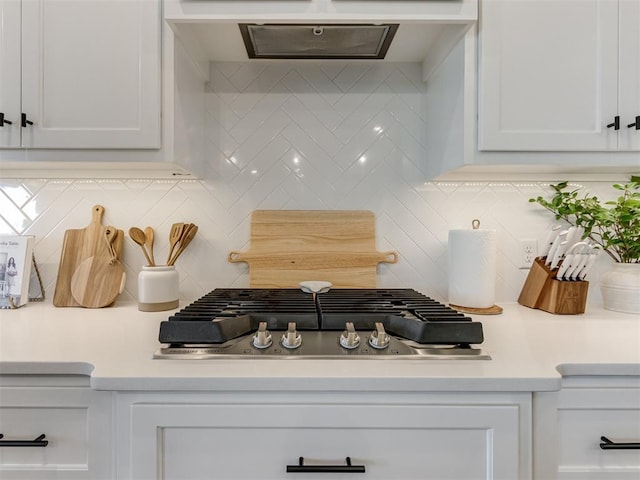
point(85, 73)
point(630, 80)
point(560, 75)
point(10, 73)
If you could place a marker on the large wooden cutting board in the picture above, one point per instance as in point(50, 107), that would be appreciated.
point(79, 245)
point(290, 246)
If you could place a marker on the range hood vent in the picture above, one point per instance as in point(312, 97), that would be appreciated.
point(313, 41)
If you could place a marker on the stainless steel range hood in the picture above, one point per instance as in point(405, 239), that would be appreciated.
point(317, 41)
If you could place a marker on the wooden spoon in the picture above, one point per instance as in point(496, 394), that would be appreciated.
point(174, 238)
point(140, 238)
point(150, 236)
point(185, 240)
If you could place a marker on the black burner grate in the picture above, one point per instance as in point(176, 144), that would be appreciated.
point(224, 314)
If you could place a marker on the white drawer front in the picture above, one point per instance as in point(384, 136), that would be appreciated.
point(584, 416)
point(264, 453)
point(76, 423)
point(65, 430)
point(399, 442)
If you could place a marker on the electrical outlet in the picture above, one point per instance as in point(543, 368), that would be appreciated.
point(528, 251)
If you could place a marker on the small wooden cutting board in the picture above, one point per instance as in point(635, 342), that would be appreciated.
point(78, 246)
point(99, 280)
point(290, 246)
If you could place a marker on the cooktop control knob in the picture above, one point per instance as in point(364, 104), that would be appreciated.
point(291, 338)
point(262, 338)
point(350, 338)
point(379, 338)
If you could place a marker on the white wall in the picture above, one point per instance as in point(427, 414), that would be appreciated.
point(297, 136)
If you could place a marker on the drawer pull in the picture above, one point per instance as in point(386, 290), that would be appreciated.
point(609, 445)
point(302, 468)
point(37, 442)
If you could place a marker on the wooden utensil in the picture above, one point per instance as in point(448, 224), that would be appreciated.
point(149, 233)
point(78, 246)
point(174, 238)
point(291, 246)
point(187, 235)
point(99, 279)
point(140, 238)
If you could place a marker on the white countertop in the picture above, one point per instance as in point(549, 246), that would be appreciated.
point(529, 349)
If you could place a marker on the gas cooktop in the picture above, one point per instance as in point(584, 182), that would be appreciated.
point(341, 323)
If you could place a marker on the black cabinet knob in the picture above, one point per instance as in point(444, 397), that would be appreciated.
point(4, 122)
point(25, 122)
point(616, 123)
point(635, 124)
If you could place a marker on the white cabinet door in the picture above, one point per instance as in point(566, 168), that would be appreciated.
point(10, 73)
point(91, 73)
point(227, 441)
point(548, 76)
point(630, 75)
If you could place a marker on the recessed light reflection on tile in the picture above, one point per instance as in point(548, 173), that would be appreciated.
point(362, 159)
point(254, 171)
point(377, 129)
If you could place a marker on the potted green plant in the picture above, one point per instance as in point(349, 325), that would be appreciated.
point(612, 225)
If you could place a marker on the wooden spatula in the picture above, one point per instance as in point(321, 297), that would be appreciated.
point(174, 238)
point(99, 279)
point(185, 240)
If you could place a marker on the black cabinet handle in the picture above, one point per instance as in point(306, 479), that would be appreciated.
point(25, 122)
point(302, 468)
point(3, 121)
point(616, 123)
point(37, 442)
point(635, 124)
point(609, 445)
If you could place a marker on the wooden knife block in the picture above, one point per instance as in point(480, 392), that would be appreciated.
point(541, 290)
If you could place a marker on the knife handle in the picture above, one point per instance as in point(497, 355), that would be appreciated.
point(565, 266)
point(557, 256)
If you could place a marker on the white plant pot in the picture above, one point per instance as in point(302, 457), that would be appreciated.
point(620, 288)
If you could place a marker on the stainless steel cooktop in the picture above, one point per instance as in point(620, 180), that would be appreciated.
point(341, 323)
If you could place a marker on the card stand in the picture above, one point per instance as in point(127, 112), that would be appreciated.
point(541, 290)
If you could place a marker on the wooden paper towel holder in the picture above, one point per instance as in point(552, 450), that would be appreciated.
point(543, 291)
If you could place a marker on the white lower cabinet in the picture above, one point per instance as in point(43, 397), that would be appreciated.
point(57, 431)
point(252, 436)
point(570, 425)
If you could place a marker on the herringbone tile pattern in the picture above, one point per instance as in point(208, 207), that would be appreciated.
point(413, 221)
point(295, 136)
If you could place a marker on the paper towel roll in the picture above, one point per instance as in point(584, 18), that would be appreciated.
point(472, 268)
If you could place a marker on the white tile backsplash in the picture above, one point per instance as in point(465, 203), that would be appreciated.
point(297, 136)
point(413, 221)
